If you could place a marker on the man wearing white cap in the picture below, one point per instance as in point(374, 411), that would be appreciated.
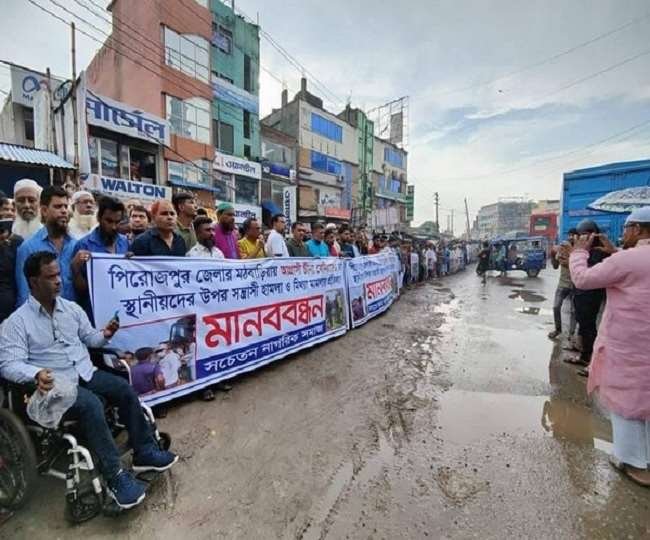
point(620, 365)
point(26, 197)
point(83, 214)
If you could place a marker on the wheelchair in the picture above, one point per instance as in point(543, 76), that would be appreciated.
point(28, 449)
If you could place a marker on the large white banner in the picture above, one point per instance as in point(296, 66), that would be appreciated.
point(188, 323)
point(373, 285)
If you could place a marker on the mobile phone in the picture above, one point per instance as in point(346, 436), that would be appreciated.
point(6, 225)
point(116, 316)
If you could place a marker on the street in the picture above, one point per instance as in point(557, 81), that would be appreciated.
point(451, 416)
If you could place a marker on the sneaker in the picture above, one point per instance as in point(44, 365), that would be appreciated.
point(154, 460)
point(125, 490)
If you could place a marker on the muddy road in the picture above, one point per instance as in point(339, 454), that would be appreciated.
point(451, 416)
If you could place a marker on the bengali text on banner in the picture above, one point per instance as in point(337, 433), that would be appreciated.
point(188, 323)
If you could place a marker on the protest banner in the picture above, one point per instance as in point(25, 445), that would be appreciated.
point(189, 323)
point(373, 285)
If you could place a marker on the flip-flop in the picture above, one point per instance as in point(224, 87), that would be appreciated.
point(575, 361)
point(583, 372)
point(636, 480)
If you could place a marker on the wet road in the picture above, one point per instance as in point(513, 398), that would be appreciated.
point(451, 416)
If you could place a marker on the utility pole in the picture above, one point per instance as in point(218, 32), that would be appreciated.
point(467, 218)
point(437, 203)
point(452, 222)
point(74, 102)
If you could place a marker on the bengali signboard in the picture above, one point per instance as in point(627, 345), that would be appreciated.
point(373, 285)
point(188, 323)
point(25, 85)
point(126, 119)
point(237, 165)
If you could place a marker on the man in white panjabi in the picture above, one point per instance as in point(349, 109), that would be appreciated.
point(27, 195)
point(83, 214)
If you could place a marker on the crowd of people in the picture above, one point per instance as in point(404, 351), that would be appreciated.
point(47, 237)
point(608, 292)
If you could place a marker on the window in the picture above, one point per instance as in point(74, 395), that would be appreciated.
point(226, 138)
point(188, 54)
point(394, 157)
point(204, 3)
point(115, 160)
point(247, 151)
point(248, 79)
point(247, 124)
point(246, 190)
point(326, 128)
point(142, 166)
point(217, 75)
point(199, 173)
point(222, 38)
point(277, 153)
point(28, 115)
point(190, 118)
point(326, 164)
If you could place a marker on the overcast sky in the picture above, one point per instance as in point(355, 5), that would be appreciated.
point(476, 130)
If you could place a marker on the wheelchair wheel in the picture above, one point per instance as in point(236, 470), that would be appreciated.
point(17, 462)
point(164, 440)
point(82, 506)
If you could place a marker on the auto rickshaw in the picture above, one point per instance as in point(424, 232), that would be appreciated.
point(527, 254)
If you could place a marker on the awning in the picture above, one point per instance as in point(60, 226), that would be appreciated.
point(271, 208)
point(190, 185)
point(32, 156)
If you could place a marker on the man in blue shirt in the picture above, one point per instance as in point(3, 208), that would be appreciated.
point(316, 246)
point(53, 237)
point(46, 340)
point(102, 239)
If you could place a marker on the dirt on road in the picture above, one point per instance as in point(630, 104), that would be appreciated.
point(450, 416)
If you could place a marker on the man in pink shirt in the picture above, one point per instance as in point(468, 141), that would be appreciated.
point(225, 236)
point(620, 366)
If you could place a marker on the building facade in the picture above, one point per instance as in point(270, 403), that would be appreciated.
point(196, 65)
point(326, 153)
point(504, 218)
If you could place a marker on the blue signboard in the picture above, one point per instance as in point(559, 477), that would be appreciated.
point(238, 97)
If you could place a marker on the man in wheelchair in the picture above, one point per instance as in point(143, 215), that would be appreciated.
point(46, 339)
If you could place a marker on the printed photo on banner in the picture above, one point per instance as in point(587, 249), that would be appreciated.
point(158, 355)
point(188, 323)
point(358, 303)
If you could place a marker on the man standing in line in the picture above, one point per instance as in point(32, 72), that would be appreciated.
point(251, 246)
point(620, 371)
point(83, 214)
point(346, 242)
point(103, 239)
point(316, 246)
point(295, 244)
point(564, 291)
point(430, 256)
point(139, 219)
point(162, 239)
point(7, 208)
point(185, 207)
point(225, 236)
point(53, 237)
point(204, 247)
point(26, 198)
point(9, 244)
point(275, 244)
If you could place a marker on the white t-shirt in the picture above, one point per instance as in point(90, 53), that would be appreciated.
point(200, 251)
point(431, 258)
point(169, 365)
point(275, 245)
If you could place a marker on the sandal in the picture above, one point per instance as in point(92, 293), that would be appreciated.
point(631, 475)
point(583, 372)
point(575, 361)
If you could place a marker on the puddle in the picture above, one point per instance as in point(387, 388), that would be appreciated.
point(526, 295)
point(532, 310)
point(468, 417)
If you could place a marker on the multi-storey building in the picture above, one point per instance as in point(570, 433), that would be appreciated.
point(390, 185)
point(326, 154)
point(506, 217)
point(196, 64)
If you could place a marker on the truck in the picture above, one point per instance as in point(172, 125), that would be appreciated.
point(544, 224)
point(583, 187)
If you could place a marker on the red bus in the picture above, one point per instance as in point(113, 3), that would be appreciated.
point(544, 224)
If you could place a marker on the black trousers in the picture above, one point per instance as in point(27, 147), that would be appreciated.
point(587, 305)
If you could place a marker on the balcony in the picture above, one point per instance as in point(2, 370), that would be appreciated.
point(392, 195)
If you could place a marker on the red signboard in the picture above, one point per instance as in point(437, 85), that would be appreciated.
point(340, 213)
